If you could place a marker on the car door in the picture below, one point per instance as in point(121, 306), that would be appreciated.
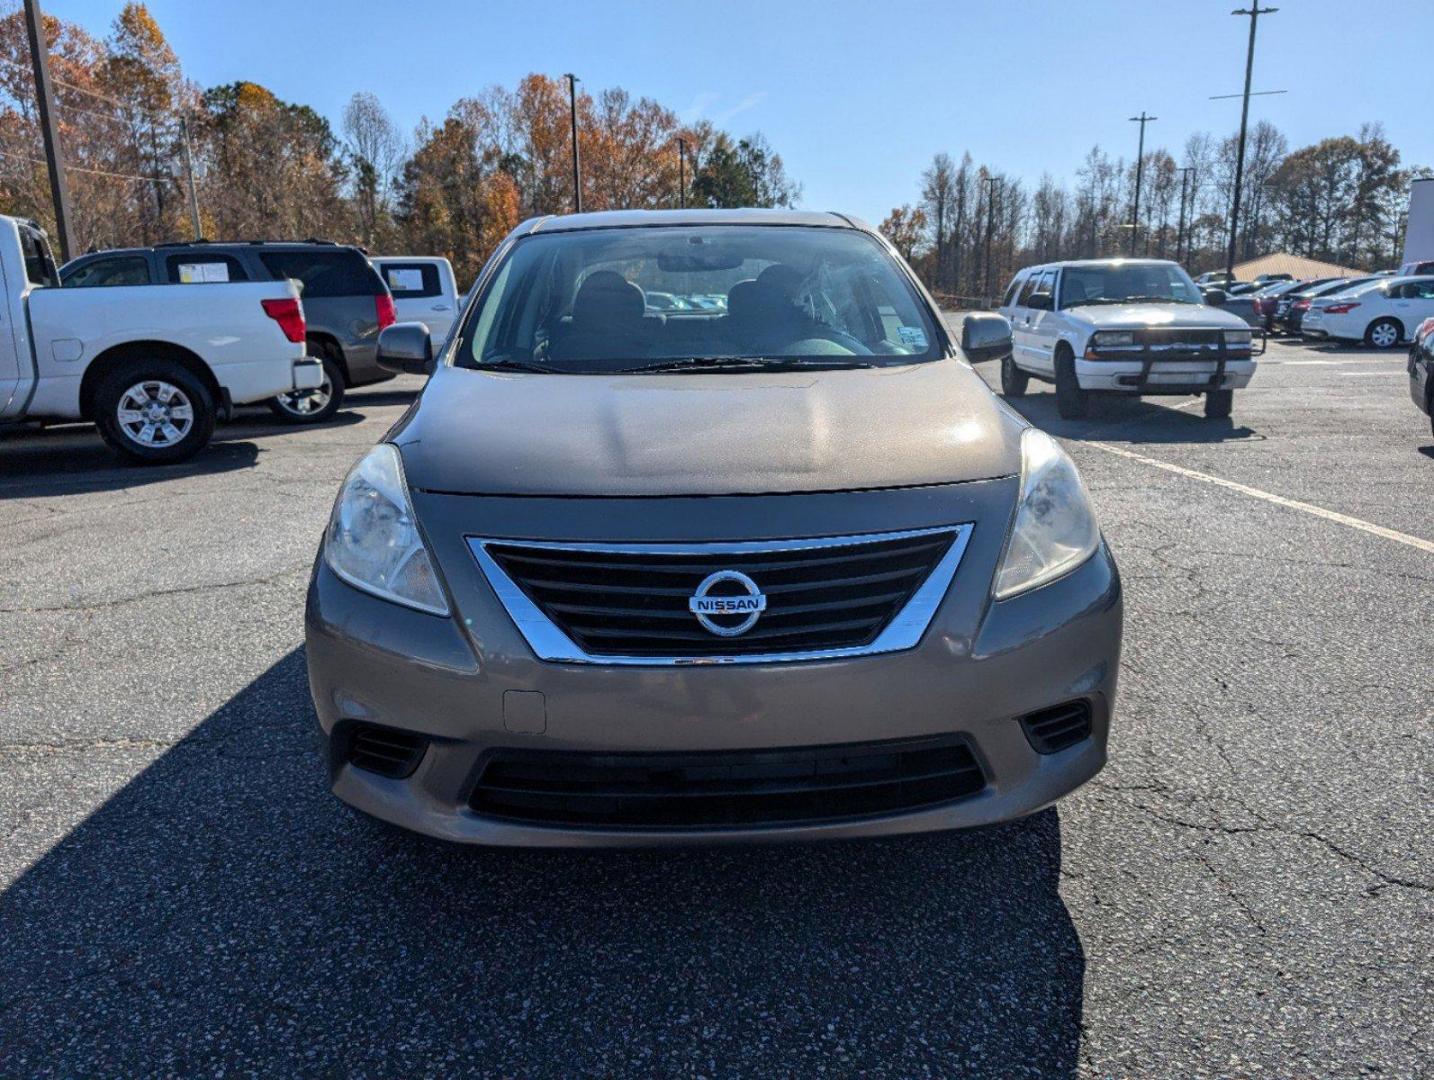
point(1020, 317)
point(422, 292)
point(1042, 324)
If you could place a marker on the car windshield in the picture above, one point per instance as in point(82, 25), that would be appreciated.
point(1123, 283)
point(696, 298)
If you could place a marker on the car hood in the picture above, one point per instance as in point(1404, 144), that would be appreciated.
point(503, 433)
point(1135, 316)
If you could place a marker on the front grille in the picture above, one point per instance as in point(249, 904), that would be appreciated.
point(716, 789)
point(1059, 727)
point(633, 600)
point(385, 751)
point(1177, 336)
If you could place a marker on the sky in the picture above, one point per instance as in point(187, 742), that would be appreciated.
point(856, 97)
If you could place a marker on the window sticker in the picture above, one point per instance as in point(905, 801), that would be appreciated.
point(192, 273)
point(912, 336)
point(404, 279)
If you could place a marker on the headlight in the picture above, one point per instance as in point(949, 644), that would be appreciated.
point(1239, 337)
point(1103, 339)
point(1055, 528)
point(373, 542)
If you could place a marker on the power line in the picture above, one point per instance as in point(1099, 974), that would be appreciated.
point(72, 86)
point(94, 172)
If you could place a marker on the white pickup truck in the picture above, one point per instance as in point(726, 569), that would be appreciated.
point(153, 366)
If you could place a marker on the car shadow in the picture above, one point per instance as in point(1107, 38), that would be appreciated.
point(1128, 418)
point(71, 458)
point(222, 911)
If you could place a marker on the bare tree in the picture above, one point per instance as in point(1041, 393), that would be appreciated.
point(376, 150)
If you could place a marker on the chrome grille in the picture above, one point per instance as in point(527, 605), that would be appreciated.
point(629, 603)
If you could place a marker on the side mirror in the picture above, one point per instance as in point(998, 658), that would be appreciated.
point(1215, 297)
point(1040, 302)
point(406, 349)
point(985, 336)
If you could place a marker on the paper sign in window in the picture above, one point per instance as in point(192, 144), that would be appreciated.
point(405, 280)
point(190, 273)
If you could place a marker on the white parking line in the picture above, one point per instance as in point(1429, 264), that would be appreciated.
point(1416, 542)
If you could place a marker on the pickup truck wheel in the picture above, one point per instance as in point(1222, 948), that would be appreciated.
point(154, 411)
point(1218, 404)
point(1071, 401)
point(1013, 380)
point(1383, 333)
point(312, 406)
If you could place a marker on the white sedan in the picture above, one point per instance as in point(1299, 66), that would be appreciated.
point(1381, 314)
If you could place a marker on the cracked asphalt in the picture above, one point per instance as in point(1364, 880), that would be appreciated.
point(1244, 891)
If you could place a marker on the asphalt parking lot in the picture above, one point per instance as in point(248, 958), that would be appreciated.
point(1245, 890)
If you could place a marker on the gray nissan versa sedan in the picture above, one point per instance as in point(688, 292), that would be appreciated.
point(773, 566)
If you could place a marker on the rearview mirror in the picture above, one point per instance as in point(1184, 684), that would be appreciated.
point(985, 336)
point(1215, 297)
point(406, 349)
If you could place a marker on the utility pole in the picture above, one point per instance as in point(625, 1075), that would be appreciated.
point(577, 169)
point(990, 182)
point(682, 173)
point(1142, 120)
point(1254, 11)
point(49, 128)
point(1180, 229)
point(189, 169)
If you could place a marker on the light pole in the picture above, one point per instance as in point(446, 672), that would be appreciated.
point(682, 173)
point(990, 182)
point(49, 128)
point(1254, 11)
point(1142, 120)
point(189, 170)
point(577, 169)
point(1180, 229)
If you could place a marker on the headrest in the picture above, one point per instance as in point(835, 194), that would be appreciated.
point(742, 298)
point(607, 296)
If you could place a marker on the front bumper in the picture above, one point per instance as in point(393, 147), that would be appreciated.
point(1163, 376)
point(979, 667)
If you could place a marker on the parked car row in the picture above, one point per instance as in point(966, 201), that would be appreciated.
point(1382, 310)
point(155, 363)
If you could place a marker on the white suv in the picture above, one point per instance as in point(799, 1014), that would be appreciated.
point(1133, 326)
point(1381, 314)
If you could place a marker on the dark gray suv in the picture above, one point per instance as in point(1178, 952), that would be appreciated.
point(346, 303)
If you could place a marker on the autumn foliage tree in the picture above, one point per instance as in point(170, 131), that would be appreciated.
point(268, 168)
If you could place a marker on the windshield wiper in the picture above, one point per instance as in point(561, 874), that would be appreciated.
point(524, 365)
point(745, 363)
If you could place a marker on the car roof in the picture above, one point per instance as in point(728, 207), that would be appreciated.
point(631, 219)
point(1099, 262)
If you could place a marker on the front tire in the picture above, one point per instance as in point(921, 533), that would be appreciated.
point(1071, 401)
point(1219, 404)
point(1383, 333)
point(1014, 381)
point(154, 411)
point(312, 406)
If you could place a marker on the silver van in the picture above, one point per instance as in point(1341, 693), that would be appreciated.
point(775, 567)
